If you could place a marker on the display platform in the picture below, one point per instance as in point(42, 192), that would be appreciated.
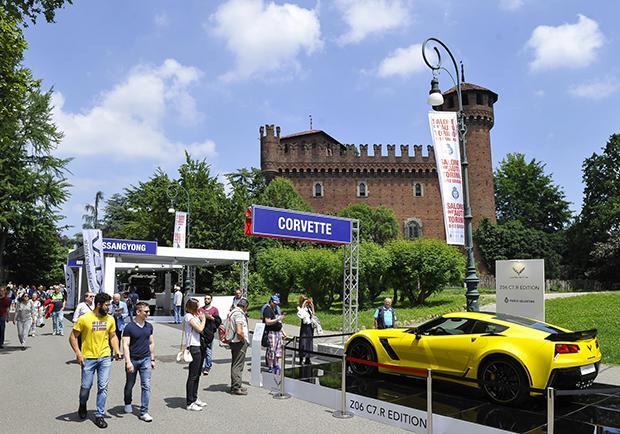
point(596, 413)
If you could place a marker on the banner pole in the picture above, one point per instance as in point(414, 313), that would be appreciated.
point(429, 402)
point(343, 413)
point(550, 410)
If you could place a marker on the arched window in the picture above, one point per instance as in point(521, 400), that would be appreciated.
point(318, 189)
point(417, 189)
point(413, 229)
point(362, 189)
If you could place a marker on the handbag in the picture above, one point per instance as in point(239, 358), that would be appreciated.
point(184, 356)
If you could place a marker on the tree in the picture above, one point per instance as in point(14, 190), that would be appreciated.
point(91, 218)
point(32, 181)
point(523, 192)
point(320, 274)
point(378, 224)
point(281, 193)
point(374, 271)
point(591, 239)
point(422, 267)
point(278, 267)
point(19, 10)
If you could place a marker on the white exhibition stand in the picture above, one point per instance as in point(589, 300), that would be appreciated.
point(256, 378)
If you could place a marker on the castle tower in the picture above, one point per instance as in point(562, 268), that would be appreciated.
point(269, 147)
point(478, 110)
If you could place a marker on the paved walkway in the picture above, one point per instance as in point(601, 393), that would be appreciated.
point(39, 392)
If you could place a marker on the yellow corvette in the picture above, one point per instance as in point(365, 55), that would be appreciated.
point(508, 357)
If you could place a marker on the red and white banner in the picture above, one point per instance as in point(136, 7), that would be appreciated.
point(445, 134)
point(180, 226)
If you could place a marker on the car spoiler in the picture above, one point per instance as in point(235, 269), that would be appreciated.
point(572, 336)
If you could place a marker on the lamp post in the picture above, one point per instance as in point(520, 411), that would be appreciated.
point(435, 98)
point(173, 192)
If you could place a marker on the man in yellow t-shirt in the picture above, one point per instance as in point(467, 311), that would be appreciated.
point(96, 328)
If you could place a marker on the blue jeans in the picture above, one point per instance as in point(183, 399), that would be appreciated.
point(177, 314)
point(144, 367)
point(57, 323)
point(209, 357)
point(102, 366)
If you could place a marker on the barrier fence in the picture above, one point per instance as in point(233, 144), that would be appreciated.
point(428, 374)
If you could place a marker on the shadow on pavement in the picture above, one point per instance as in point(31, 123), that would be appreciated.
point(175, 402)
point(218, 388)
point(7, 350)
point(118, 411)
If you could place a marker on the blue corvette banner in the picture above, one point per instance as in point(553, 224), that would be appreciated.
point(297, 225)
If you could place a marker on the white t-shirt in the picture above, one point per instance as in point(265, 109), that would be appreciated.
point(178, 298)
point(81, 309)
point(192, 337)
point(237, 316)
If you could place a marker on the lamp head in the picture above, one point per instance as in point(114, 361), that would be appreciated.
point(435, 97)
point(171, 210)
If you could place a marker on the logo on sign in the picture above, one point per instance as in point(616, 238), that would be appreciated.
point(518, 267)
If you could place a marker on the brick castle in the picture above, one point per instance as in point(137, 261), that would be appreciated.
point(330, 175)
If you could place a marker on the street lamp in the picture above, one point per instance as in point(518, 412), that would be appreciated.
point(435, 98)
point(173, 192)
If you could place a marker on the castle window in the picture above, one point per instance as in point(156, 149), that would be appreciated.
point(413, 228)
point(330, 152)
point(479, 98)
point(318, 189)
point(362, 189)
point(417, 190)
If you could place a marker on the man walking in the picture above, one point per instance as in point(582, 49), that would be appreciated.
point(96, 328)
point(178, 304)
point(5, 304)
point(57, 313)
point(238, 346)
point(212, 315)
point(139, 351)
point(236, 298)
point(385, 316)
point(119, 310)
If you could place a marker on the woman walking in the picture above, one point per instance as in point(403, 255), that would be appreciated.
point(38, 315)
point(193, 323)
point(24, 317)
point(305, 312)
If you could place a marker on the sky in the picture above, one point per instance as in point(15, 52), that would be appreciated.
point(138, 82)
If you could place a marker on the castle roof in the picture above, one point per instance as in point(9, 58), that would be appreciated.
point(310, 134)
point(470, 86)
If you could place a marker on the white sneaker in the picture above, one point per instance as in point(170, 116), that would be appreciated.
point(194, 407)
point(200, 403)
point(53, 333)
point(146, 417)
point(128, 409)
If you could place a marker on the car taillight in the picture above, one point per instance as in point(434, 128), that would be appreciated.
point(566, 349)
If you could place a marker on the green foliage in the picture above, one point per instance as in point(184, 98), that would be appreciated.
point(512, 240)
point(524, 193)
point(279, 269)
point(91, 218)
point(374, 271)
point(32, 181)
point(592, 239)
point(20, 10)
point(378, 224)
point(422, 267)
point(281, 193)
point(320, 274)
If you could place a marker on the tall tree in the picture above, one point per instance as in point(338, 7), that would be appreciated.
point(378, 225)
point(32, 180)
point(20, 10)
point(91, 218)
point(281, 193)
point(525, 193)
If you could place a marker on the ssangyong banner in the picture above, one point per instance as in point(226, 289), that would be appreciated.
point(93, 259)
point(129, 247)
point(70, 286)
point(180, 227)
point(444, 131)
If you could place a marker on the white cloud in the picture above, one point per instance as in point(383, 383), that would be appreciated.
point(510, 5)
point(402, 62)
point(266, 37)
point(127, 120)
point(596, 90)
point(367, 17)
point(567, 45)
point(161, 20)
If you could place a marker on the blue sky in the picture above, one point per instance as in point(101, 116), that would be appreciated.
point(137, 82)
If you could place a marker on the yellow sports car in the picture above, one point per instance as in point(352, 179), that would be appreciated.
point(508, 357)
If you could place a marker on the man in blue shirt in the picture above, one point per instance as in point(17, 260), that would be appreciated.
point(385, 316)
point(139, 350)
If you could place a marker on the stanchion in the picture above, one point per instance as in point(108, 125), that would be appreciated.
point(343, 413)
point(550, 410)
point(429, 402)
point(281, 394)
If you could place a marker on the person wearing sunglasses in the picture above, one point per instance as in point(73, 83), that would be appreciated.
point(84, 307)
point(139, 351)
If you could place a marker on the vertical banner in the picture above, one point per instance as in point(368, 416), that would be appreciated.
point(444, 131)
point(180, 225)
point(93, 259)
point(70, 286)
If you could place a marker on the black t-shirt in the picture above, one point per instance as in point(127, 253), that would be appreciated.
point(269, 313)
point(139, 339)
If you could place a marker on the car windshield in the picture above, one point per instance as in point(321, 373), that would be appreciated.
point(537, 325)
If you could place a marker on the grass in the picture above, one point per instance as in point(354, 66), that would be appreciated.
point(448, 300)
point(600, 311)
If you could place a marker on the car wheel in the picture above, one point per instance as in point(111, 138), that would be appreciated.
point(361, 349)
point(504, 381)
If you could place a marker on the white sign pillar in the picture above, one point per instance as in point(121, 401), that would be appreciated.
point(109, 277)
point(257, 379)
point(520, 287)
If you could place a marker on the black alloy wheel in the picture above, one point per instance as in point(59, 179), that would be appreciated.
point(361, 349)
point(504, 382)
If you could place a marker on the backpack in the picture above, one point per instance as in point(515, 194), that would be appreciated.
point(227, 331)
